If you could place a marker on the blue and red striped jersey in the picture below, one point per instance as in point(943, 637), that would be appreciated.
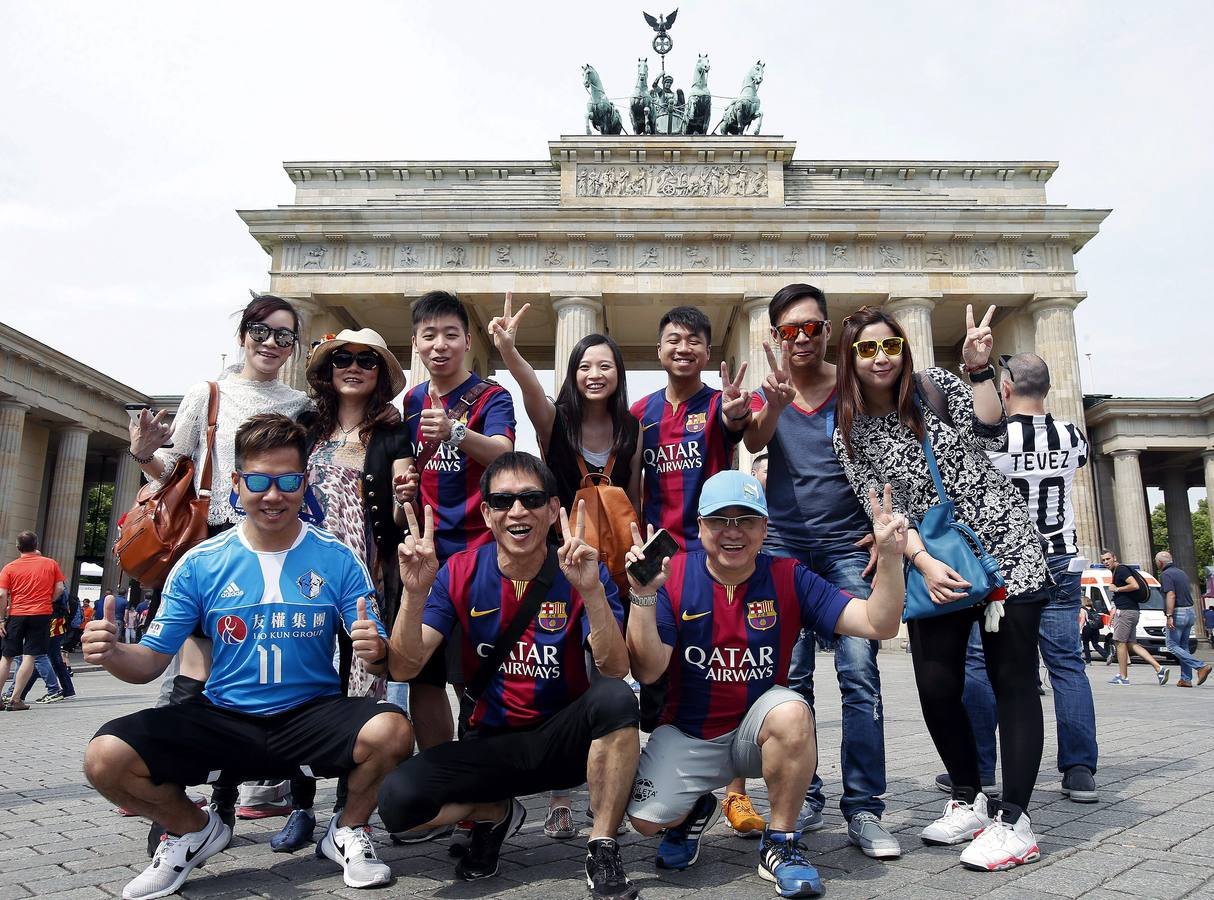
point(451, 480)
point(728, 650)
point(547, 670)
point(681, 449)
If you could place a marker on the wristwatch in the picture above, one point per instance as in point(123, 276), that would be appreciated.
point(977, 376)
point(642, 599)
point(458, 432)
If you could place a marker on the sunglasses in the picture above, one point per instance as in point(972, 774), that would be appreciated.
point(259, 483)
point(891, 346)
point(719, 523)
point(1004, 361)
point(502, 501)
point(812, 328)
point(283, 337)
point(368, 360)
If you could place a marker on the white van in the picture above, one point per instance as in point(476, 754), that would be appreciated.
point(1096, 583)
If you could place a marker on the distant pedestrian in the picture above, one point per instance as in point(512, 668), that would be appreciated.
point(1178, 604)
point(1089, 631)
point(28, 584)
point(1130, 591)
point(1208, 617)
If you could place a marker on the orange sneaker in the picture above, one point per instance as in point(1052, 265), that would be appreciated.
point(743, 819)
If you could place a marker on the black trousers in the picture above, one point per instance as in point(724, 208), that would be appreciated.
point(495, 765)
point(938, 647)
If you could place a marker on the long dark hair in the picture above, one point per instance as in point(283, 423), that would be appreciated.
point(264, 305)
point(849, 399)
point(324, 395)
point(571, 403)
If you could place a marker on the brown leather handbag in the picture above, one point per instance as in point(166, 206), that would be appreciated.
point(609, 516)
point(165, 523)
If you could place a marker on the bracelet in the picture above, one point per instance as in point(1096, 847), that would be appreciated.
point(142, 462)
point(915, 554)
point(745, 415)
point(977, 376)
point(642, 599)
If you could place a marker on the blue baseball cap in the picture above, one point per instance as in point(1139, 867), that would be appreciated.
point(732, 488)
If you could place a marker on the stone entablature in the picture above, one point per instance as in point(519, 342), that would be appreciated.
point(1118, 424)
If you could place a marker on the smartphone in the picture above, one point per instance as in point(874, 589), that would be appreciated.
point(660, 546)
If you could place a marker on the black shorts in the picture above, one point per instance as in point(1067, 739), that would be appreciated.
point(489, 765)
point(26, 636)
point(196, 741)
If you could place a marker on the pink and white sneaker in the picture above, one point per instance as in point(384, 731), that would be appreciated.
point(961, 822)
point(1002, 845)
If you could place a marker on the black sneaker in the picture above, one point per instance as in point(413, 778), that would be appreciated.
point(226, 813)
point(605, 871)
point(1079, 784)
point(487, 839)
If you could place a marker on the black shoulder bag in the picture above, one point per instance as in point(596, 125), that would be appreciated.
point(506, 641)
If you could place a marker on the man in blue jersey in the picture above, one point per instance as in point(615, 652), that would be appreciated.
point(271, 594)
point(816, 519)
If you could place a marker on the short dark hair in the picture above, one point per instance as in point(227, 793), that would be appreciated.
point(264, 305)
point(435, 305)
point(27, 542)
point(269, 431)
point(689, 317)
point(761, 457)
point(790, 294)
point(1030, 375)
point(521, 464)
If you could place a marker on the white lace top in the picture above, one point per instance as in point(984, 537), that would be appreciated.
point(239, 398)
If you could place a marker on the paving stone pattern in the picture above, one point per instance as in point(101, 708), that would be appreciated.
point(1149, 837)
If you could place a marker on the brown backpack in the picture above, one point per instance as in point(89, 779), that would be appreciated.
point(609, 516)
point(165, 523)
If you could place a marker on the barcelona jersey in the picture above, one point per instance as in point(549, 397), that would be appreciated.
point(681, 449)
point(728, 650)
point(273, 617)
point(450, 483)
point(546, 670)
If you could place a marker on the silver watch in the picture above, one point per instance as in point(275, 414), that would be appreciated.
point(642, 599)
point(458, 432)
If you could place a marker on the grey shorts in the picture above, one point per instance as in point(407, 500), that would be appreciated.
point(675, 769)
point(1125, 626)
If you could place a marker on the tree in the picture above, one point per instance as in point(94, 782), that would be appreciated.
point(97, 520)
point(1203, 542)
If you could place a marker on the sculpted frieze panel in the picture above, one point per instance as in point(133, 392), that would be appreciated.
point(642, 180)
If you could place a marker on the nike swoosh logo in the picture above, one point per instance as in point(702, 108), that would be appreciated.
point(687, 618)
point(191, 852)
point(650, 425)
point(477, 613)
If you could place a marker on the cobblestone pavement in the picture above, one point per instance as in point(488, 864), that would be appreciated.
point(1149, 837)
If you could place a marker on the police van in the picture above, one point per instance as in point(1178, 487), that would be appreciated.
point(1097, 583)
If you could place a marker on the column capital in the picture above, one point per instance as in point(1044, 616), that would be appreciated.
point(1208, 457)
point(920, 300)
point(1125, 454)
point(752, 300)
point(1044, 302)
point(589, 300)
point(14, 404)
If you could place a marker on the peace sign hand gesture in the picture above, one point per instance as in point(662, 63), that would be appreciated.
point(889, 527)
point(735, 401)
point(504, 328)
point(777, 386)
point(578, 560)
point(979, 342)
point(416, 555)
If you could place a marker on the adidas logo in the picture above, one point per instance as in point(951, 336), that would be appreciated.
point(232, 590)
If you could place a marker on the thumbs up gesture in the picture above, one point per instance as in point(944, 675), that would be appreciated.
point(101, 636)
point(368, 645)
point(434, 424)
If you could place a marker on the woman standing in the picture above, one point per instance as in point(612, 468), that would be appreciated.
point(882, 421)
point(358, 479)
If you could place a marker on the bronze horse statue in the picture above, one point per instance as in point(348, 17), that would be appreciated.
point(745, 110)
point(699, 100)
point(600, 112)
point(641, 104)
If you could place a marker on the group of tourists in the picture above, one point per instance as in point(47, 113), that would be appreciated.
point(355, 545)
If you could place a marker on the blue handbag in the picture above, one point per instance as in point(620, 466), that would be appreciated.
point(957, 546)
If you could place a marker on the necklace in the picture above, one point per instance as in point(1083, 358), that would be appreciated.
point(346, 432)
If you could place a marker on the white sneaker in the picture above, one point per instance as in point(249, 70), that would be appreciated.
point(1002, 846)
point(354, 851)
point(176, 858)
point(961, 822)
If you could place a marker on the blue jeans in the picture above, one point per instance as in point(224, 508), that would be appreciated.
point(1059, 644)
point(42, 669)
point(863, 748)
point(1183, 619)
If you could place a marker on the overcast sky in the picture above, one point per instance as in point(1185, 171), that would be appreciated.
point(129, 134)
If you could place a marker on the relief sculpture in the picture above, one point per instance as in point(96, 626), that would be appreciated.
point(672, 181)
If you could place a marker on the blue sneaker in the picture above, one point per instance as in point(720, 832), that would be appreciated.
point(809, 818)
point(1117, 679)
point(296, 834)
point(680, 846)
point(782, 860)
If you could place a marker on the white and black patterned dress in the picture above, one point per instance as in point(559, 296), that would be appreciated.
point(886, 450)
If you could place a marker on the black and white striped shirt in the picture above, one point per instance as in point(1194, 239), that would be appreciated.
point(1040, 456)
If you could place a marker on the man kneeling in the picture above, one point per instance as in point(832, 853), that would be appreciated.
point(528, 614)
point(271, 593)
point(722, 622)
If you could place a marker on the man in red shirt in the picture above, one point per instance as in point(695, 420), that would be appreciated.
point(27, 585)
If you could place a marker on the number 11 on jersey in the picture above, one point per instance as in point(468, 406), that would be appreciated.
point(263, 659)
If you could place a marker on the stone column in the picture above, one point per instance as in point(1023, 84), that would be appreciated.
point(67, 494)
point(417, 371)
point(294, 372)
point(576, 317)
point(914, 314)
point(758, 329)
point(1054, 341)
point(1180, 521)
point(1207, 460)
point(126, 485)
point(12, 427)
point(1132, 516)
